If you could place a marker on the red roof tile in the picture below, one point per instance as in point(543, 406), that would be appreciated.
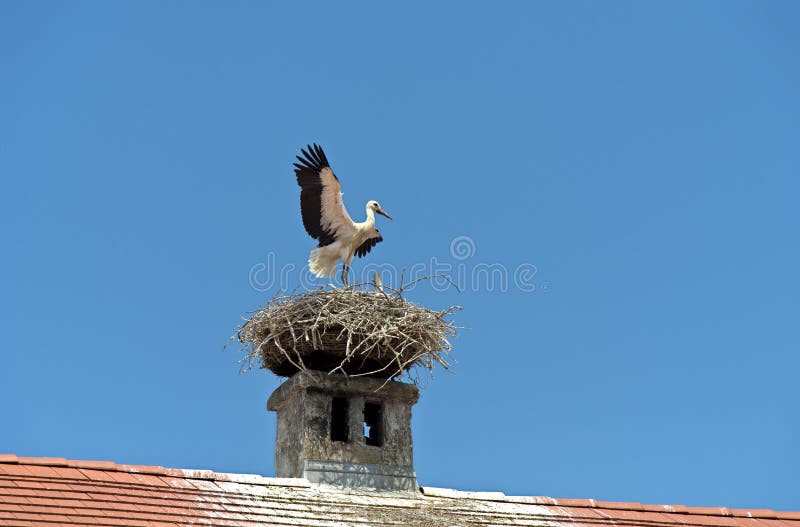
point(54, 491)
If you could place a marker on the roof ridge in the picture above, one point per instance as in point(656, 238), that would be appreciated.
point(155, 470)
point(596, 504)
point(257, 479)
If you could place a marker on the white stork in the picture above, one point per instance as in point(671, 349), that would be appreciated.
point(326, 219)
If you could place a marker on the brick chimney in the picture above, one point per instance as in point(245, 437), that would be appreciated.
point(347, 432)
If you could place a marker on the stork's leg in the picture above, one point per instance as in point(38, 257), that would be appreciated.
point(345, 271)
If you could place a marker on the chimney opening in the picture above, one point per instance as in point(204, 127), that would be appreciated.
point(373, 424)
point(339, 419)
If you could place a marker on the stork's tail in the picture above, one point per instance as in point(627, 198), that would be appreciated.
point(322, 265)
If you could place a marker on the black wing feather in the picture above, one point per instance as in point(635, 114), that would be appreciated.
point(308, 177)
point(367, 246)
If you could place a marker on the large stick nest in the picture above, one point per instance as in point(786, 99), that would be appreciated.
point(352, 330)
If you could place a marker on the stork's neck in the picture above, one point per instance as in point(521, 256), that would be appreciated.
point(370, 217)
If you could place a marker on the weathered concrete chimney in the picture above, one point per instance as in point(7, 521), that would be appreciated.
point(347, 432)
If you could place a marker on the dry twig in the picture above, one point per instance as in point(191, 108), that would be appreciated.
point(353, 330)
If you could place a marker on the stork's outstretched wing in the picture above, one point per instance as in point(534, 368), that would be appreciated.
point(324, 215)
point(367, 246)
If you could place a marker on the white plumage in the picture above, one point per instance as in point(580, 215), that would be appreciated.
point(326, 219)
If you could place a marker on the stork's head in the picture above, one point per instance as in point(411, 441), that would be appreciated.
point(375, 207)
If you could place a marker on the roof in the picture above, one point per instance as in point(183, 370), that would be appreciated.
point(54, 491)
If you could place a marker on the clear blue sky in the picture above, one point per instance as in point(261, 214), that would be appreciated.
point(643, 156)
